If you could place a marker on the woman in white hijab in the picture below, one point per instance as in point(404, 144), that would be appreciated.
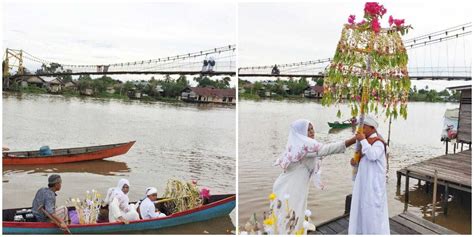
point(119, 207)
point(300, 161)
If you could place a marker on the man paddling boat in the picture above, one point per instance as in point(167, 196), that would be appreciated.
point(45, 201)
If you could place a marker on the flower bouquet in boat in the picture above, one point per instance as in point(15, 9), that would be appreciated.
point(86, 210)
point(280, 219)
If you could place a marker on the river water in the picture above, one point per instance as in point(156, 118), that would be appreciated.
point(173, 140)
point(263, 131)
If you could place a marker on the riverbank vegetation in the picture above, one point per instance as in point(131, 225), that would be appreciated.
point(167, 89)
point(294, 89)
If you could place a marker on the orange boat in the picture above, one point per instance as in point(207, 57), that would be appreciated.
point(66, 155)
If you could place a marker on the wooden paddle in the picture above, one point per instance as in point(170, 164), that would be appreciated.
point(56, 222)
point(164, 200)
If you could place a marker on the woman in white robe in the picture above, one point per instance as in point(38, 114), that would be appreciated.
point(120, 208)
point(301, 161)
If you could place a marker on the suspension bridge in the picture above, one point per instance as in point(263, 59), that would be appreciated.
point(212, 62)
point(417, 70)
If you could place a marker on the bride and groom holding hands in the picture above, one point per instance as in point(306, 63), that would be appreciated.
point(301, 163)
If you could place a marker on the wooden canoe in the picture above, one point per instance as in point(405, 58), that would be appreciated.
point(217, 206)
point(66, 155)
point(339, 125)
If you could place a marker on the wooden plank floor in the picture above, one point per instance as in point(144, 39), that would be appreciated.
point(402, 224)
point(453, 169)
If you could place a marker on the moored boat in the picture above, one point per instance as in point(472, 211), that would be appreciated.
point(66, 155)
point(340, 125)
point(216, 206)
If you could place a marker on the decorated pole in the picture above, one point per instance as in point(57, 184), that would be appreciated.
point(369, 69)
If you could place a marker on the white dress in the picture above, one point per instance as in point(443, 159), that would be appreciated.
point(295, 182)
point(369, 208)
point(116, 211)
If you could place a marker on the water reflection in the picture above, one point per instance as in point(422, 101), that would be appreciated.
point(458, 210)
point(100, 167)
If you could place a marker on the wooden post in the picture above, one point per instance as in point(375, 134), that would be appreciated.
point(399, 177)
point(446, 142)
point(446, 196)
point(435, 187)
point(347, 208)
point(389, 129)
point(407, 179)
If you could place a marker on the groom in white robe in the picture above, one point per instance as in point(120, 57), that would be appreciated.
point(369, 209)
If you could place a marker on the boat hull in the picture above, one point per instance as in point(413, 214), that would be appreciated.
point(340, 125)
point(59, 159)
point(210, 211)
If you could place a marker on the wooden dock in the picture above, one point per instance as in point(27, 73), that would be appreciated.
point(403, 224)
point(453, 172)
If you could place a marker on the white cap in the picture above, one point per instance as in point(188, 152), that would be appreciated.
point(370, 121)
point(151, 190)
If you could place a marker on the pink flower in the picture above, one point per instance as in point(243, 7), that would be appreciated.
point(351, 19)
point(205, 193)
point(373, 9)
point(194, 181)
point(399, 22)
point(361, 22)
point(390, 21)
point(382, 10)
point(375, 25)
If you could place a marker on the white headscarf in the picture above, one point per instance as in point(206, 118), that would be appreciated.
point(298, 145)
point(117, 192)
point(151, 190)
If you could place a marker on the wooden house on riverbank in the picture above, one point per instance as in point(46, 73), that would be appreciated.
point(26, 81)
point(313, 92)
point(208, 95)
point(54, 85)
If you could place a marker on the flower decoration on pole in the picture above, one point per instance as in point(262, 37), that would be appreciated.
point(369, 68)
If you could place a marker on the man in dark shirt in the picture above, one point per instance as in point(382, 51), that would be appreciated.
point(46, 198)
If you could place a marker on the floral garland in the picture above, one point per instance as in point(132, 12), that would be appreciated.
point(369, 67)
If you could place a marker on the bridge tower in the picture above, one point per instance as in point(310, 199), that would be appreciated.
point(13, 59)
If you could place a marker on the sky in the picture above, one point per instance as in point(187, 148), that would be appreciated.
point(267, 33)
point(110, 32)
point(276, 33)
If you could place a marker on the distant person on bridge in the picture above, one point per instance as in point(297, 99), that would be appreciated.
point(275, 70)
point(208, 65)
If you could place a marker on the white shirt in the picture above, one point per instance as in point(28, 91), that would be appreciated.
point(147, 210)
